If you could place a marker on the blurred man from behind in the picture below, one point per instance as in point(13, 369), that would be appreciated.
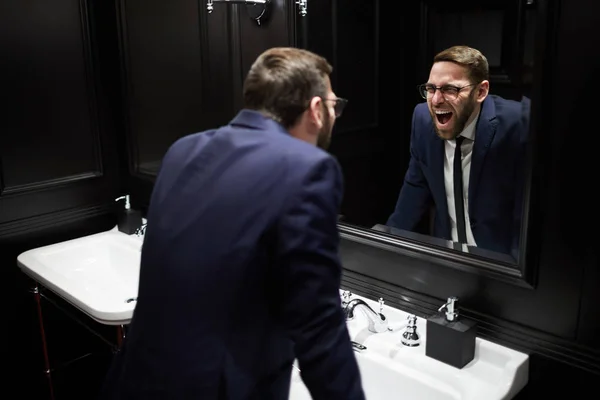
point(240, 272)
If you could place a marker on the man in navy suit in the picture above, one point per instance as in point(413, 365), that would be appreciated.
point(240, 272)
point(475, 187)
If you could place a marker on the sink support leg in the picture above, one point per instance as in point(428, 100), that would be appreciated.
point(120, 336)
point(36, 295)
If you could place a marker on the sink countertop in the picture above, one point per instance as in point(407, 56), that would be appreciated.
point(497, 371)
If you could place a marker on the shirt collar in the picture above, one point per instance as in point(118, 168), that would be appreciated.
point(469, 131)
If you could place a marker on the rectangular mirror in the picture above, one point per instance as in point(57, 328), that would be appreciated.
point(396, 140)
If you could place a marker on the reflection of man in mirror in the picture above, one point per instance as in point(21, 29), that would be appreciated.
point(467, 149)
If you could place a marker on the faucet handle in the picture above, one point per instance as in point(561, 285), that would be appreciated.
point(381, 305)
point(410, 337)
point(346, 294)
point(141, 231)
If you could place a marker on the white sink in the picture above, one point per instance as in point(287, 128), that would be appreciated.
point(390, 370)
point(384, 380)
point(98, 274)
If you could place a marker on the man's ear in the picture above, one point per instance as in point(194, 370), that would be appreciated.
point(316, 111)
point(484, 89)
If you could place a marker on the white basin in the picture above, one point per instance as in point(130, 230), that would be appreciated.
point(384, 380)
point(390, 370)
point(98, 274)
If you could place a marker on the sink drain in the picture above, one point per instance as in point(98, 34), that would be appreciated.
point(131, 299)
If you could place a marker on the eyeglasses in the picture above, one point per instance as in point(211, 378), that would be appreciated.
point(450, 92)
point(339, 106)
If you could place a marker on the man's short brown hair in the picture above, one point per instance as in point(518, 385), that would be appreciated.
point(475, 62)
point(283, 80)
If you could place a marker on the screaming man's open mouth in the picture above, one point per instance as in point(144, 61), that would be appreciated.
point(443, 116)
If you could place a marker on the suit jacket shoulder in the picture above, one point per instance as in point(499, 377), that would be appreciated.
point(512, 115)
point(259, 151)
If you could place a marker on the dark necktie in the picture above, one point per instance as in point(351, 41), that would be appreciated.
point(459, 203)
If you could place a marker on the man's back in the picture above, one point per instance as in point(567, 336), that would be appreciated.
point(239, 260)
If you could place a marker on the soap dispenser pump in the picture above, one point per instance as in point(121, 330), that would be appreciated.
point(450, 339)
point(129, 220)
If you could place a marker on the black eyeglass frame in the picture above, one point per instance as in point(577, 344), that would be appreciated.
point(424, 92)
point(340, 104)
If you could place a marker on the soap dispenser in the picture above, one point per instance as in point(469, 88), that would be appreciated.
point(129, 220)
point(450, 339)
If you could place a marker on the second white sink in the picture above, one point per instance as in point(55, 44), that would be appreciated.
point(384, 380)
point(390, 370)
point(98, 273)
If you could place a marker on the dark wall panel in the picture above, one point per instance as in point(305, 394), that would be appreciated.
point(356, 26)
point(573, 218)
point(164, 75)
point(59, 166)
point(52, 104)
point(58, 130)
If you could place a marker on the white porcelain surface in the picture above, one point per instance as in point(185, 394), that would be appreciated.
point(391, 370)
point(96, 273)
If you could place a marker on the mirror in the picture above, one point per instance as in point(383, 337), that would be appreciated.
point(400, 183)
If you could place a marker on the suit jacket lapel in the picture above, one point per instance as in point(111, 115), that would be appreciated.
point(484, 134)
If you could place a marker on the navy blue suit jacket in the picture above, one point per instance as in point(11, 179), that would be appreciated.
point(239, 273)
point(496, 179)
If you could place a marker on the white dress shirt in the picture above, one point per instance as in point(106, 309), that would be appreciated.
point(467, 151)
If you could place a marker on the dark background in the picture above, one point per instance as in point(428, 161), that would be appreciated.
point(96, 90)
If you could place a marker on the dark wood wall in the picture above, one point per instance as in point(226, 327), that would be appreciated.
point(60, 166)
point(99, 89)
point(57, 147)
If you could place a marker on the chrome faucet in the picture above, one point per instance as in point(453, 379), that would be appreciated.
point(141, 231)
point(378, 323)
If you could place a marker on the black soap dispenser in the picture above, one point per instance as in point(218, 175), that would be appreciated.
point(450, 339)
point(129, 220)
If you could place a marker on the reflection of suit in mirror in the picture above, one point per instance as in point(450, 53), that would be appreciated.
point(495, 185)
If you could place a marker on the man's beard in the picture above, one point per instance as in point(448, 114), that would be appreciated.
point(324, 137)
point(460, 118)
